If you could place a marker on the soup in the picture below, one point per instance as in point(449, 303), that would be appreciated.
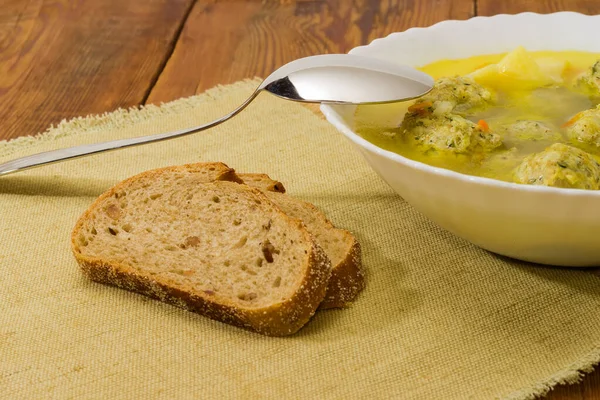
point(524, 117)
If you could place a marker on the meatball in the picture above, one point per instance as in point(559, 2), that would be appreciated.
point(590, 81)
point(457, 95)
point(530, 130)
point(584, 128)
point(560, 166)
point(449, 133)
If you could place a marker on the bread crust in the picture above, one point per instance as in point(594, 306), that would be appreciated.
point(347, 278)
point(262, 181)
point(283, 318)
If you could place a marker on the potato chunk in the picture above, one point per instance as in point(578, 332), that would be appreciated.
point(520, 70)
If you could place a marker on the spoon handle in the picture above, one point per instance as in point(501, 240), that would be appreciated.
point(54, 156)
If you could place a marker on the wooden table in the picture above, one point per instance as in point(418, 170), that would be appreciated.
point(65, 58)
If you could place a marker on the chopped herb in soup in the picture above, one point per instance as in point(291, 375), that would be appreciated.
point(525, 117)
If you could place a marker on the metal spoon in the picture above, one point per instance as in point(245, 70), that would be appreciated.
point(330, 78)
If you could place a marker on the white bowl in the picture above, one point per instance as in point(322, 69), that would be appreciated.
point(532, 223)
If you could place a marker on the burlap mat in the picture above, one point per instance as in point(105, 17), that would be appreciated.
point(439, 319)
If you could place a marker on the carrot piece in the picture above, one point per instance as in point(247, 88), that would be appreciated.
point(483, 126)
point(572, 120)
point(571, 71)
point(421, 108)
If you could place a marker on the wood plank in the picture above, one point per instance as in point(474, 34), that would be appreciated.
point(62, 58)
point(225, 41)
point(588, 389)
point(492, 7)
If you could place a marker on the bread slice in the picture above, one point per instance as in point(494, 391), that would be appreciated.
point(342, 248)
point(262, 182)
point(218, 248)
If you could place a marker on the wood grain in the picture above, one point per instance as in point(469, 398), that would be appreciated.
point(589, 389)
point(61, 59)
point(492, 7)
point(225, 41)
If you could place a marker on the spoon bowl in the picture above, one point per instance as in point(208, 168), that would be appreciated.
point(326, 79)
point(346, 79)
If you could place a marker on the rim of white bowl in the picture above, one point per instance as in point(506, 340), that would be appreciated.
point(334, 118)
